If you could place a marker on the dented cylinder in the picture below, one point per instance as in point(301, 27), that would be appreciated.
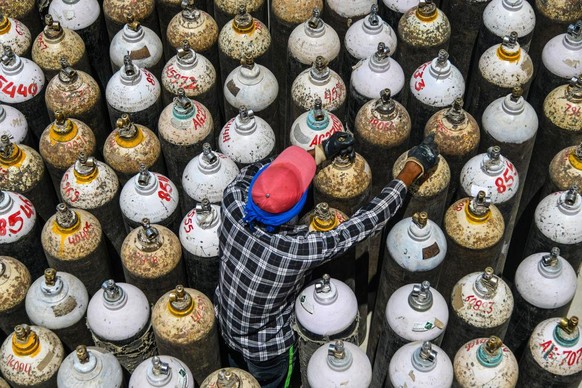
point(14, 283)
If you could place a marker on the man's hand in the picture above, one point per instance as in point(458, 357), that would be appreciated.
point(340, 143)
point(425, 154)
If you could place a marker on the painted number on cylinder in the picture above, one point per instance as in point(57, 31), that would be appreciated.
point(479, 305)
point(14, 222)
point(186, 82)
point(552, 352)
point(165, 189)
point(333, 94)
point(573, 110)
point(188, 224)
point(11, 90)
point(506, 181)
point(149, 77)
point(71, 193)
point(420, 84)
point(336, 127)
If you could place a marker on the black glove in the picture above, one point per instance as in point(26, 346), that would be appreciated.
point(340, 143)
point(425, 154)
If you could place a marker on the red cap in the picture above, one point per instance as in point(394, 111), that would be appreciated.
point(281, 185)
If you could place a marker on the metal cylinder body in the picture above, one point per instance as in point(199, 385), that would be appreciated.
point(25, 11)
point(225, 375)
point(13, 124)
point(73, 242)
point(166, 10)
point(337, 363)
point(432, 366)
point(565, 170)
point(392, 10)
point(16, 35)
point(117, 11)
point(90, 367)
point(225, 10)
point(14, 283)
point(313, 127)
point(161, 371)
point(341, 14)
point(185, 327)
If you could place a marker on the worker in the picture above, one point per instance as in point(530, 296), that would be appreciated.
point(264, 258)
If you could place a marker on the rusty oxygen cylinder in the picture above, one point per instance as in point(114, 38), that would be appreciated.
point(481, 305)
point(14, 283)
point(432, 366)
point(70, 85)
point(227, 376)
point(56, 42)
point(58, 301)
point(485, 362)
point(185, 327)
point(116, 12)
point(23, 172)
point(549, 358)
point(129, 146)
point(457, 136)
point(341, 14)
point(152, 259)
point(382, 133)
point(15, 34)
point(31, 357)
point(25, 11)
point(565, 170)
point(90, 367)
point(225, 10)
point(544, 286)
point(415, 249)
point(428, 193)
point(13, 124)
point(161, 371)
point(73, 242)
point(167, 9)
point(93, 186)
point(312, 127)
point(61, 142)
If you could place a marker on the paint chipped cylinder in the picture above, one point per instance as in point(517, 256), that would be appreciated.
point(544, 287)
point(414, 312)
point(246, 138)
point(341, 14)
point(14, 283)
point(152, 259)
point(32, 356)
point(428, 193)
point(313, 127)
point(26, 92)
point(79, 87)
point(549, 358)
point(16, 35)
point(432, 366)
point(225, 10)
point(131, 145)
point(58, 301)
point(116, 11)
point(90, 367)
point(161, 371)
point(130, 340)
point(13, 124)
point(25, 11)
point(565, 170)
point(206, 176)
point(23, 172)
point(93, 186)
point(474, 228)
point(392, 10)
point(61, 142)
point(56, 42)
point(484, 361)
point(225, 375)
point(337, 363)
point(136, 92)
point(167, 9)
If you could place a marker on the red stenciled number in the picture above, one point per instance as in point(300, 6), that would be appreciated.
point(572, 110)
point(33, 89)
point(22, 90)
point(15, 222)
point(419, 85)
point(501, 188)
point(2, 227)
point(18, 29)
point(460, 206)
point(149, 77)
point(165, 188)
point(188, 225)
point(9, 89)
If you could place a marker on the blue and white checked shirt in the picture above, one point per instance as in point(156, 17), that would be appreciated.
point(261, 273)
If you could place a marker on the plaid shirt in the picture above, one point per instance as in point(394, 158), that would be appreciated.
point(261, 273)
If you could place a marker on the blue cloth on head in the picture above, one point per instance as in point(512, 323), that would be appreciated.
point(270, 220)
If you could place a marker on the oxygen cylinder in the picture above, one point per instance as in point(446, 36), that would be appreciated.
point(432, 366)
point(69, 86)
point(255, 87)
point(185, 327)
point(565, 170)
point(246, 138)
point(362, 38)
point(130, 340)
point(474, 229)
point(131, 145)
point(415, 249)
point(116, 12)
point(161, 371)
point(167, 9)
point(150, 195)
point(564, 231)
point(341, 14)
point(312, 127)
point(136, 92)
point(551, 357)
point(56, 42)
point(414, 312)
point(501, 68)
point(24, 89)
point(25, 11)
point(90, 367)
point(433, 90)
point(429, 193)
point(184, 126)
point(243, 36)
point(152, 259)
point(84, 17)
point(485, 362)
point(14, 283)
point(481, 305)
point(339, 363)
point(31, 357)
point(19, 232)
point(143, 45)
point(326, 310)
point(73, 242)
point(23, 171)
point(61, 142)
point(16, 35)
point(227, 376)
point(225, 10)
point(392, 10)
point(382, 132)
point(93, 186)
point(14, 125)
point(206, 176)
point(58, 302)
point(544, 286)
